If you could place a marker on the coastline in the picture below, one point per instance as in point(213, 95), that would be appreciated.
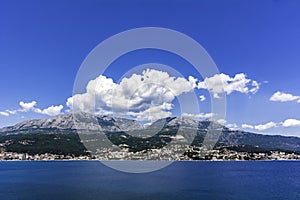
point(95, 160)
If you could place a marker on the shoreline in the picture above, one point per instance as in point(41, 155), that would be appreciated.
point(293, 160)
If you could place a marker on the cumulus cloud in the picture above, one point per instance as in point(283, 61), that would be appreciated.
point(284, 97)
point(255, 87)
point(153, 113)
point(221, 83)
point(146, 96)
point(221, 121)
point(291, 123)
point(193, 81)
point(31, 106)
point(266, 126)
point(150, 94)
point(232, 126)
point(260, 127)
point(202, 98)
point(51, 111)
point(27, 106)
point(198, 116)
point(247, 126)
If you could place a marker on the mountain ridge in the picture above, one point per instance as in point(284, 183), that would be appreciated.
point(69, 123)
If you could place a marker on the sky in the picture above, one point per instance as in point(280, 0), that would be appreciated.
point(255, 45)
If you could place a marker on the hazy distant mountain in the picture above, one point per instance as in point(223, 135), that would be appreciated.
point(164, 127)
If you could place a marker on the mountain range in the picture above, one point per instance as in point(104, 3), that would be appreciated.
point(132, 133)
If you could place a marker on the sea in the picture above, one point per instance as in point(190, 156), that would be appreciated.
point(91, 180)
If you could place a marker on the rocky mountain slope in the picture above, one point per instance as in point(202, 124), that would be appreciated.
point(75, 121)
point(163, 129)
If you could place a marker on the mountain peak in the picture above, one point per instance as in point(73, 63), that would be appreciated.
point(88, 122)
point(76, 121)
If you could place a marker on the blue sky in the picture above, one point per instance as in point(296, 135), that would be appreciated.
point(43, 43)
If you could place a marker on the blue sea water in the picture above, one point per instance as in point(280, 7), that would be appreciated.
point(85, 180)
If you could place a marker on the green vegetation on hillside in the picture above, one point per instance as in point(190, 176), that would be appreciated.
point(39, 143)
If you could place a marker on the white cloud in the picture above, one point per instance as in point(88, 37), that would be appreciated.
point(221, 83)
point(232, 126)
point(27, 106)
point(255, 88)
point(260, 127)
point(202, 98)
point(291, 122)
point(247, 126)
point(152, 113)
point(8, 112)
point(146, 96)
point(221, 121)
point(284, 97)
point(31, 106)
point(266, 126)
point(51, 110)
point(193, 81)
point(11, 112)
point(198, 116)
point(3, 113)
